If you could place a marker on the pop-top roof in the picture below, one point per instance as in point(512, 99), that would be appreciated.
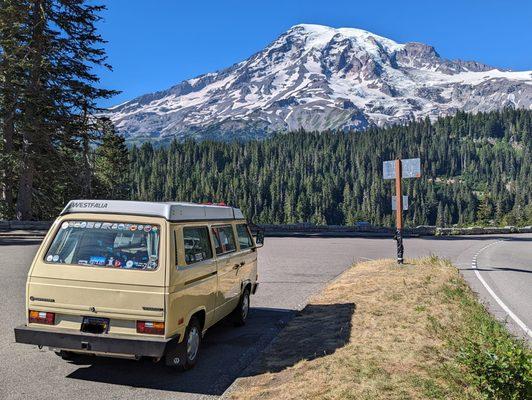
point(169, 211)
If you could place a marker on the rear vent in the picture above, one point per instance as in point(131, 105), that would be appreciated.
point(42, 299)
point(152, 309)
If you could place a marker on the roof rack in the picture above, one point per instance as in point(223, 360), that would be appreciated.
point(172, 211)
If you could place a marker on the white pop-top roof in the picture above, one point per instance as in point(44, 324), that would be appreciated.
point(171, 211)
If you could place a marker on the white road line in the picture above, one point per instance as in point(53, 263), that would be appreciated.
point(516, 319)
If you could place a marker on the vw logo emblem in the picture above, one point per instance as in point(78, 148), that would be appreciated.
point(92, 309)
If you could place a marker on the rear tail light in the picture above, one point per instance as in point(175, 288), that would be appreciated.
point(41, 317)
point(152, 328)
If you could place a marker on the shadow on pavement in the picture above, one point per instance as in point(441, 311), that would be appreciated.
point(19, 241)
point(513, 237)
point(226, 352)
point(497, 269)
point(318, 331)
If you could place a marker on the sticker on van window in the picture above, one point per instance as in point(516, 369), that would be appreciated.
point(97, 260)
point(50, 258)
point(129, 264)
point(98, 225)
point(64, 225)
point(121, 227)
point(147, 228)
point(90, 225)
point(133, 228)
point(55, 258)
point(83, 262)
point(83, 224)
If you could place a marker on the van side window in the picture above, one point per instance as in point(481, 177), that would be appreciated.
point(197, 244)
point(224, 239)
point(244, 238)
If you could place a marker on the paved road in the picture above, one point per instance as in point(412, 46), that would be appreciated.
point(290, 270)
point(506, 268)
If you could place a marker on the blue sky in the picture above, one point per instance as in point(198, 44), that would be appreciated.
point(156, 44)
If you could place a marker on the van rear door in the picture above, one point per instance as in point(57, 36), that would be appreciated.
point(110, 268)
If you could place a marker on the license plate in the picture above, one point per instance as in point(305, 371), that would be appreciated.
point(95, 325)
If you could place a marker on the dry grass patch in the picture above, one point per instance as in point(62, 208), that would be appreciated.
point(378, 332)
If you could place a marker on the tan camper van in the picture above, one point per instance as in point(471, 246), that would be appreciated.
point(139, 279)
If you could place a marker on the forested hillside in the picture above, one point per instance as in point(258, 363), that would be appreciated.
point(475, 169)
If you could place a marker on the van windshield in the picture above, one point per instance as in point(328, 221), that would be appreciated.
point(106, 244)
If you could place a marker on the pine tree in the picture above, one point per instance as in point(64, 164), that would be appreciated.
point(13, 36)
point(112, 164)
point(51, 47)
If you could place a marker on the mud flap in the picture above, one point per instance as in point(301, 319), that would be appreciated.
point(175, 354)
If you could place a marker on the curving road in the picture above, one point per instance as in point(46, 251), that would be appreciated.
point(290, 270)
point(505, 269)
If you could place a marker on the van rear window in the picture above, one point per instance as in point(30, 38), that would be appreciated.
point(118, 245)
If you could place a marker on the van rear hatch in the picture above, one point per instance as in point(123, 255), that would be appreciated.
point(107, 268)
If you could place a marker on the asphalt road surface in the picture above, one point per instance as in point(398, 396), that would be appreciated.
point(290, 270)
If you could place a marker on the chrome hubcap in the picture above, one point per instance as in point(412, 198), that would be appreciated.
point(245, 307)
point(193, 343)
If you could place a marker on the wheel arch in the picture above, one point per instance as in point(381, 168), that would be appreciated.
point(245, 284)
point(200, 313)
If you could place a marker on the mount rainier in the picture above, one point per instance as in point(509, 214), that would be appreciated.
point(316, 77)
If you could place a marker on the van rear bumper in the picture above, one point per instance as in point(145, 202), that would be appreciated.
point(86, 342)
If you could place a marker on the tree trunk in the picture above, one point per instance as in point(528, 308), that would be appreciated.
point(25, 189)
point(8, 130)
point(86, 181)
point(86, 177)
point(32, 123)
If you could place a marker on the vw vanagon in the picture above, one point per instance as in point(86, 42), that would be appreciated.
point(138, 279)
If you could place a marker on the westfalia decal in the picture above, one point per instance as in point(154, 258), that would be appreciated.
point(86, 204)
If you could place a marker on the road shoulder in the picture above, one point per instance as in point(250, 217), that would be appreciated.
point(379, 331)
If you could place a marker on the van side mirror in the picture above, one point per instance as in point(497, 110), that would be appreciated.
point(259, 240)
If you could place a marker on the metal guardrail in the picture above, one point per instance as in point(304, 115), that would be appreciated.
point(7, 227)
point(425, 230)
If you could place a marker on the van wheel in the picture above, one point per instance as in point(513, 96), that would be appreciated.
point(183, 356)
point(240, 313)
point(67, 355)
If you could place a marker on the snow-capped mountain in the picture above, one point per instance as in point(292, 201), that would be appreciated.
point(316, 77)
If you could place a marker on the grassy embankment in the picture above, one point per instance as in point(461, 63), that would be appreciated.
point(384, 332)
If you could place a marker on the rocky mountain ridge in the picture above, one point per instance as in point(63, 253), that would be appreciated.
point(316, 78)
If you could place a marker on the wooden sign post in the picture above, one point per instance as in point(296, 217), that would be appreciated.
point(399, 169)
point(399, 211)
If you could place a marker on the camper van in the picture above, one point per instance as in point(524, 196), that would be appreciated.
point(139, 279)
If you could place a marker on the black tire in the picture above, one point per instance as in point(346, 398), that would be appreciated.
point(184, 356)
point(67, 355)
point(241, 312)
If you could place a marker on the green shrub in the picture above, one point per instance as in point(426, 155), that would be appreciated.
point(497, 363)
point(499, 366)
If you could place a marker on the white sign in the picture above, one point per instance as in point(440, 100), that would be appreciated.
point(411, 168)
point(388, 169)
point(405, 203)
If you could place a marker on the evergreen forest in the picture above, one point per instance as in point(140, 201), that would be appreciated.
point(476, 169)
